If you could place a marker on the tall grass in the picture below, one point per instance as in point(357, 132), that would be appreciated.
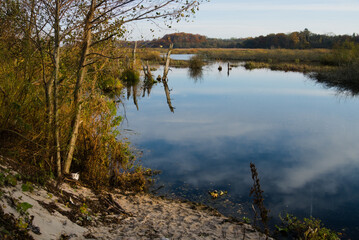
point(149, 54)
point(289, 67)
point(265, 55)
point(344, 79)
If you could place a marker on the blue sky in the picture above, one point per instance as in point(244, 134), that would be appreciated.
point(243, 18)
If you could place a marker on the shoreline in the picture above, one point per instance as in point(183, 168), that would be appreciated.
point(75, 212)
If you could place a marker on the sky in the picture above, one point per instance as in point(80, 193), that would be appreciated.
point(245, 18)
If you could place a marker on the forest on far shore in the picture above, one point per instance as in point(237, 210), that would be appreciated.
point(295, 40)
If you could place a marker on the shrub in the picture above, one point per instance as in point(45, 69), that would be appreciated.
point(110, 84)
point(130, 76)
point(308, 228)
point(196, 62)
point(135, 181)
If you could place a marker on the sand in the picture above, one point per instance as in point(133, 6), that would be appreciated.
point(75, 212)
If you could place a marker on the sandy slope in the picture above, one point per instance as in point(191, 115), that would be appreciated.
point(130, 216)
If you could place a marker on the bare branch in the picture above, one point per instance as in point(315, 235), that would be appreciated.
point(102, 40)
point(3, 92)
point(112, 9)
point(88, 64)
point(101, 55)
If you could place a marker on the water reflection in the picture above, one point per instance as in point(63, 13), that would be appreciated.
point(147, 86)
point(196, 74)
point(301, 137)
point(134, 88)
point(345, 80)
point(168, 96)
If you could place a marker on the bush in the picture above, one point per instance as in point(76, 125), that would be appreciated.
point(99, 154)
point(110, 84)
point(130, 76)
point(308, 228)
point(135, 181)
point(196, 62)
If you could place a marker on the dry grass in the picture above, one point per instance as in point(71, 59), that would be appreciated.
point(265, 55)
point(292, 67)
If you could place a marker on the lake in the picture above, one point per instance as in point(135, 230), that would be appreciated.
point(300, 135)
point(179, 56)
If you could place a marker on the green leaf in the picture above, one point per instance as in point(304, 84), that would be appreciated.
point(23, 207)
point(11, 180)
point(281, 229)
point(27, 187)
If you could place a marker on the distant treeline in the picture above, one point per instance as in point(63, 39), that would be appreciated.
point(295, 40)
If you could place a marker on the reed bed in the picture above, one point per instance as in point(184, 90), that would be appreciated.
point(266, 55)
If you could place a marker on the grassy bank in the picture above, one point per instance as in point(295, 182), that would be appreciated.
point(275, 59)
point(344, 79)
point(289, 67)
point(259, 55)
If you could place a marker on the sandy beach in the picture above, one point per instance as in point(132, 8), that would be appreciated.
point(71, 211)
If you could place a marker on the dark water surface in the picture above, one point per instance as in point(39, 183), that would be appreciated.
point(303, 138)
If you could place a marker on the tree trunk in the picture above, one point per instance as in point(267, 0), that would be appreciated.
point(78, 88)
point(165, 71)
point(49, 114)
point(56, 133)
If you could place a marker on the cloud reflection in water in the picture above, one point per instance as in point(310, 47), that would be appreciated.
point(301, 136)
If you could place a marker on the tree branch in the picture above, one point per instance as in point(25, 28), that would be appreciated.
point(102, 40)
point(19, 134)
point(101, 55)
point(3, 92)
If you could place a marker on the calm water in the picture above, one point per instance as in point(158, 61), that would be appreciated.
point(302, 137)
point(180, 56)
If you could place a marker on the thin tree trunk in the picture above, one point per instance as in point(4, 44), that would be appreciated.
point(48, 99)
point(56, 133)
point(49, 113)
point(78, 88)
